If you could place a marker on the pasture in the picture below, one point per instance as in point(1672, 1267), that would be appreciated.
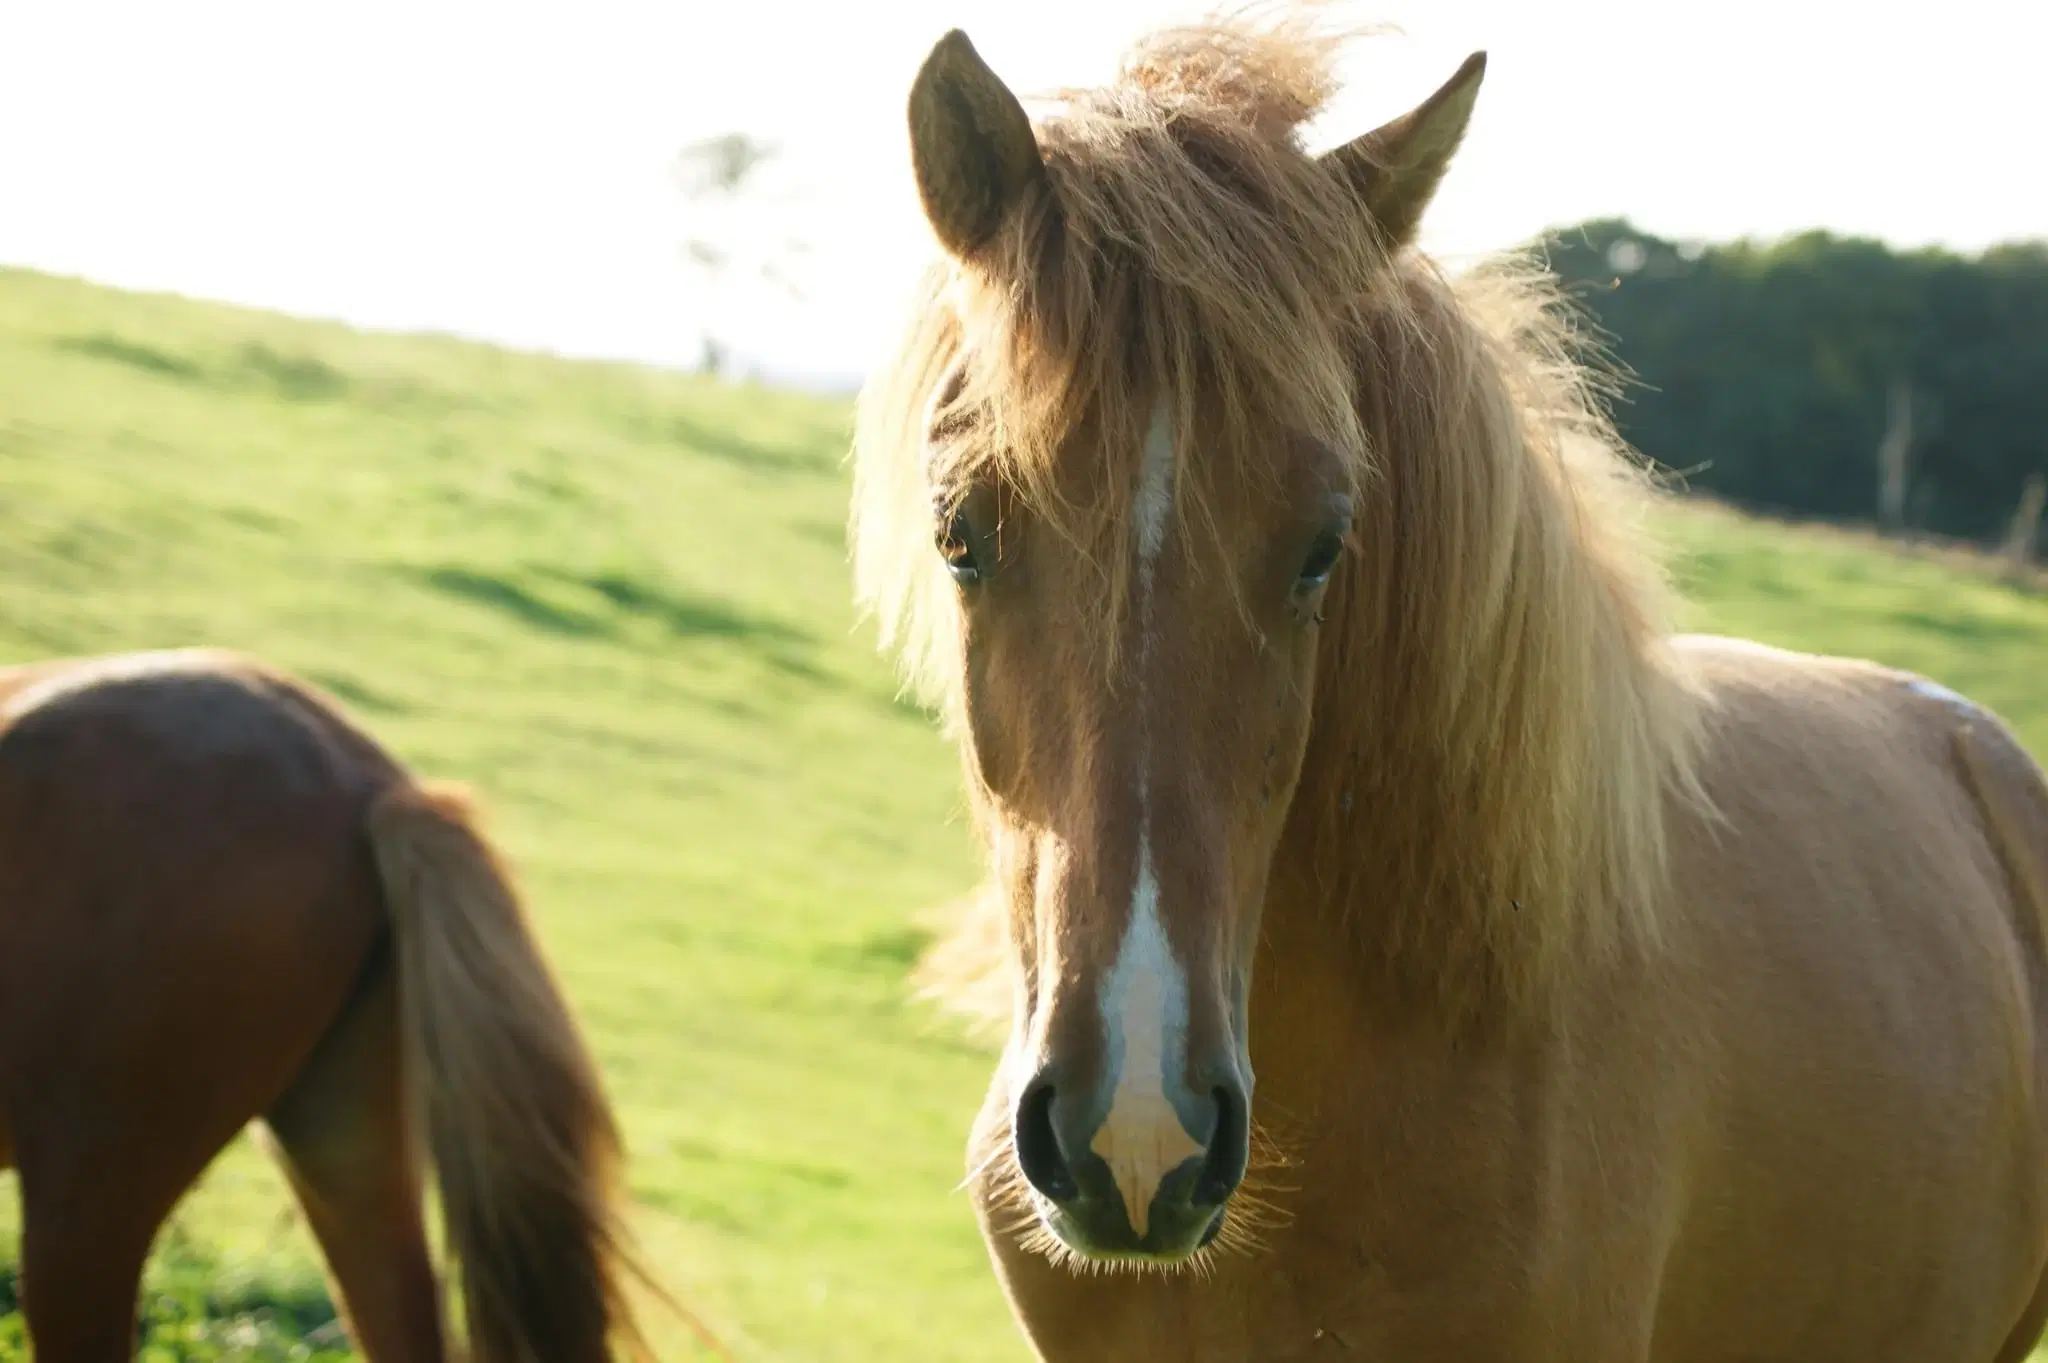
point(615, 601)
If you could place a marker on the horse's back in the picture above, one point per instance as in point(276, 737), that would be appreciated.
point(186, 898)
point(1868, 783)
point(1870, 968)
point(187, 708)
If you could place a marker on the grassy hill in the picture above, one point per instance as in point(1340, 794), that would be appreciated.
point(615, 601)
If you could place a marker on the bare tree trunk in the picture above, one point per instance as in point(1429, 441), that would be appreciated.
point(719, 173)
point(2026, 528)
point(1893, 456)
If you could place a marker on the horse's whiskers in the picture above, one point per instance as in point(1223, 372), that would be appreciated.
point(998, 1154)
point(1257, 1210)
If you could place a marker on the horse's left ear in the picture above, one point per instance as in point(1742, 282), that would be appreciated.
point(1397, 167)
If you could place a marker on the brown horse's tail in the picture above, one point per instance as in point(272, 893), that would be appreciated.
point(522, 1138)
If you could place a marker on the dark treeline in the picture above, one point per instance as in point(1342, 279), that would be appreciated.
point(1773, 375)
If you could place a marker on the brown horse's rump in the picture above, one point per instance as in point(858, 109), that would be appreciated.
point(221, 901)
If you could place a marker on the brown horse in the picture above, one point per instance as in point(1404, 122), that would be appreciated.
point(220, 901)
point(1612, 996)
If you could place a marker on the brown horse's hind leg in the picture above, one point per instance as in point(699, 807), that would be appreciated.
point(342, 1138)
point(79, 1277)
point(89, 1212)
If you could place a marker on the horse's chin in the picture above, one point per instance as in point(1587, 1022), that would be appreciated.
point(1059, 1239)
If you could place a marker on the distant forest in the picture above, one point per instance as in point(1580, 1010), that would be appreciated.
point(1773, 375)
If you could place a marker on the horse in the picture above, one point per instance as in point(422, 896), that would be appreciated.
point(221, 901)
point(1613, 993)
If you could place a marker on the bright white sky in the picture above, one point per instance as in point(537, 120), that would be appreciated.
point(506, 171)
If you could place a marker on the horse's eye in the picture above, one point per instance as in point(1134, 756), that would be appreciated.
point(1322, 557)
point(956, 546)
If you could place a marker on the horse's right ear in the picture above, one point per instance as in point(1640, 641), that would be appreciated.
point(971, 145)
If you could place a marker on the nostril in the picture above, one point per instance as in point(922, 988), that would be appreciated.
point(1229, 1148)
point(1038, 1147)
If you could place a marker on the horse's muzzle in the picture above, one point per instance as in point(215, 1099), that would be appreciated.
point(1150, 1185)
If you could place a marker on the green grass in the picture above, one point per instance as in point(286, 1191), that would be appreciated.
point(1841, 592)
point(195, 1313)
point(616, 602)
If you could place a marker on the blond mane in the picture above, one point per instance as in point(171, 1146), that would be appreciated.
point(1497, 685)
point(1497, 695)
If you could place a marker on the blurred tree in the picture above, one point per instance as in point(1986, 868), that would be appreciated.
point(729, 242)
point(1778, 375)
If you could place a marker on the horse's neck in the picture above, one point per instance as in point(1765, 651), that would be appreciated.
point(1314, 997)
point(1329, 987)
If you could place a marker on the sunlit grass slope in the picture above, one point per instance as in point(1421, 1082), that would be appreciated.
point(616, 602)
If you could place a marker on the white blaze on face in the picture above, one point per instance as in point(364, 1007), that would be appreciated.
point(1145, 998)
point(1153, 508)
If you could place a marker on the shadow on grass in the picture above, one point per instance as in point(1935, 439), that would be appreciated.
point(294, 377)
point(507, 597)
point(1963, 628)
point(751, 454)
point(101, 345)
point(891, 952)
point(358, 694)
point(683, 614)
point(301, 378)
point(606, 605)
